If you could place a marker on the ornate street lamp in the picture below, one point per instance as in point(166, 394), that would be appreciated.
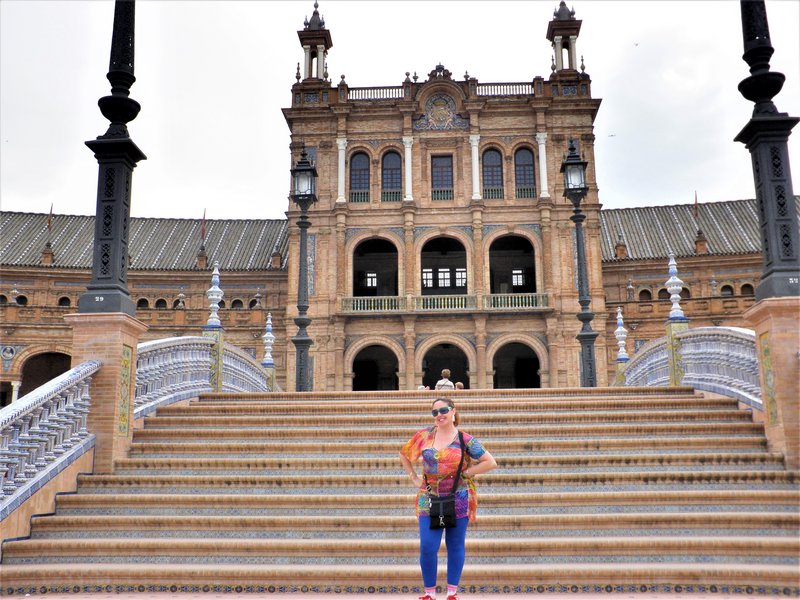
point(574, 169)
point(304, 194)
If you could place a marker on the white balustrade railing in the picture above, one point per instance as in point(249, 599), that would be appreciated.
point(722, 360)
point(375, 93)
point(649, 366)
point(505, 89)
point(42, 430)
point(170, 370)
point(374, 304)
point(444, 303)
point(515, 301)
point(241, 372)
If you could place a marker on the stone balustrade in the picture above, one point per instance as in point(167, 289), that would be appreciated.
point(395, 304)
point(41, 431)
point(375, 93)
point(722, 360)
point(170, 370)
point(515, 301)
point(241, 372)
point(505, 89)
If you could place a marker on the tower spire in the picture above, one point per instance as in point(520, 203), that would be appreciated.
point(316, 41)
point(563, 32)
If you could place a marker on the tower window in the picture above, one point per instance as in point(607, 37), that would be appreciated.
point(391, 178)
point(442, 177)
point(492, 175)
point(359, 178)
point(523, 173)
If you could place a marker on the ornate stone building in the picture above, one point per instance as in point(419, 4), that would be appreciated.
point(440, 239)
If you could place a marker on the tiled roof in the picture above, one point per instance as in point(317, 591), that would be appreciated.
point(154, 244)
point(730, 227)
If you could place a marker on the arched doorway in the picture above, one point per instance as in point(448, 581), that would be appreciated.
point(445, 356)
point(375, 268)
point(511, 266)
point(443, 267)
point(516, 366)
point(40, 369)
point(375, 368)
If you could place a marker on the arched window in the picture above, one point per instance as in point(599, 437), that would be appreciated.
point(222, 303)
point(64, 301)
point(22, 300)
point(142, 303)
point(685, 293)
point(253, 303)
point(726, 290)
point(237, 304)
point(391, 178)
point(645, 296)
point(747, 290)
point(176, 303)
point(523, 173)
point(663, 294)
point(359, 178)
point(492, 175)
point(3, 299)
point(161, 304)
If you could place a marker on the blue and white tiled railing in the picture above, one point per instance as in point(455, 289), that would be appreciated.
point(42, 432)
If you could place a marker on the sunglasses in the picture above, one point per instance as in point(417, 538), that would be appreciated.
point(441, 411)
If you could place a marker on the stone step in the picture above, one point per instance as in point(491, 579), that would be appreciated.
point(484, 433)
point(401, 550)
point(493, 578)
point(300, 464)
point(387, 419)
point(777, 523)
point(642, 501)
point(471, 406)
point(500, 447)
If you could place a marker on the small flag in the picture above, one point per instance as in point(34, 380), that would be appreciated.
point(50, 219)
point(203, 228)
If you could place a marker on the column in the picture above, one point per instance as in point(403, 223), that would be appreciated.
point(474, 140)
point(320, 61)
point(541, 138)
point(573, 43)
point(15, 390)
point(306, 62)
point(408, 141)
point(342, 145)
point(558, 52)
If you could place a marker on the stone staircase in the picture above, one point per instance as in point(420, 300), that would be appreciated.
point(627, 490)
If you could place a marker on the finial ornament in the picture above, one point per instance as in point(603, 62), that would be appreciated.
point(214, 295)
point(674, 287)
point(269, 340)
point(621, 334)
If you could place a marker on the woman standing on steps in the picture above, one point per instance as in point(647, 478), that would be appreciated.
point(440, 447)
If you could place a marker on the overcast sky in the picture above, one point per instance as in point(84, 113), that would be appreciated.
point(212, 77)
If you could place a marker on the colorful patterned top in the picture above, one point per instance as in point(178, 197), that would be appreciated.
point(440, 467)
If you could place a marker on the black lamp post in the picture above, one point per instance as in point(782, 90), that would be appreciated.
point(574, 169)
point(304, 188)
point(765, 136)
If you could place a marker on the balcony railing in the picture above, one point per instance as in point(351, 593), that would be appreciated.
point(492, 193)
point(526, 192)
point(359, 196)
point(373, 304)
point(442, 194)
point(505, 89)
point(444, 303)
point(391, 195)
point(375, 93)
point(514, 301)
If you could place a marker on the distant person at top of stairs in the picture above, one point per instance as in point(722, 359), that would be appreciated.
point(440, 449)
point(444, 383)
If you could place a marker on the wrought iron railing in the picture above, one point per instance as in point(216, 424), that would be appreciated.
point(42, 431)
point(492, 193)
point(391, 195)
point(359, 196)
point(442, 194)
point(526, 192)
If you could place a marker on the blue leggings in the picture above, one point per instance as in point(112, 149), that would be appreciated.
point(429, 542)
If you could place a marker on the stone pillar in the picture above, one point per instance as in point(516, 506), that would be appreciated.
point(480, 354)
point(557, 50)
point(15, 390)
point(408, 141)
point(474, 140)
point(409, 341)
point(677, 323)
point(267, 362)
point(777, 328)
point(320, 61)
point(306, 62)
point(573, 59)
point(112, 339)
point(541, 138)
point(213, 330)
point(342, 145)
point(622, 355)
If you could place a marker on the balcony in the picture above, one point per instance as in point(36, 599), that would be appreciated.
point(451, 303)
point(442, 194)
point(492, 193)
point(391, 195)
point(360, 196)
point(526, 192)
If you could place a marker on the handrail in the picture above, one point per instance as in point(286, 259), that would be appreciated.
point(42, 426)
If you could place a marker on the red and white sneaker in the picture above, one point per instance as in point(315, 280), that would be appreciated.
point(453, 597)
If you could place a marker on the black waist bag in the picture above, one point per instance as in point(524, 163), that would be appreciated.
point(443, 508)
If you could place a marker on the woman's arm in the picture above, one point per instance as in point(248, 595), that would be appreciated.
point(408, 467)
point(483, 465)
